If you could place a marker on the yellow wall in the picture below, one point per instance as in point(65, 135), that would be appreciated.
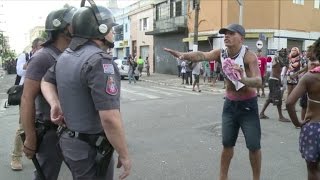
point(258, 14)
point(299, 17)
point(209, 16)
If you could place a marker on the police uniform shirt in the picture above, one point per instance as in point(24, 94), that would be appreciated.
point(102, 76)
point(38, 65)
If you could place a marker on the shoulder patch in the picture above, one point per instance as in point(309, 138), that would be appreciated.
point(111, 87)
point(108, 68)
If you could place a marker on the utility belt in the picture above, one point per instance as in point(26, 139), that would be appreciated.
point(98, 141)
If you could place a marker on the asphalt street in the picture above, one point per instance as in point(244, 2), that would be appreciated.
point(174, 133)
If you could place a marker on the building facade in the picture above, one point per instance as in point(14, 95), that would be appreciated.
point(170, 27)
point(278, 23)
point(130, 38)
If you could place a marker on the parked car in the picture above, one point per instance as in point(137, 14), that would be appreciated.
point(123, 67)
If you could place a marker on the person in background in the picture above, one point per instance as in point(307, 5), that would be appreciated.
point(196, 74)
point(309, 141)
point(22, 62)
point(262, 62)
point(274, 84)
point(206, 71)
point(179, 66)
point(183, 71)
point(188, 73)
point(132, 68)
point(147, 64)
point(293, 67)
point(140, 63)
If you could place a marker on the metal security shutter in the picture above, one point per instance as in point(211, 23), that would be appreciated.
point(204, 46)
point(294, 43)
point(251, 43)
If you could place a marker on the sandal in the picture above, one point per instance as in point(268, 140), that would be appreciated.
point(262, 116)
point(284, 120)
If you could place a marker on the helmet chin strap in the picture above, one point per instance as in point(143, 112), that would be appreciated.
point(108, 43)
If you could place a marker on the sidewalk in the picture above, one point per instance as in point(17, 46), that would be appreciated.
point(174, 80)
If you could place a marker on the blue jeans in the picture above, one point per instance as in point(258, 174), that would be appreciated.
point(131, 76)
point(244, 115)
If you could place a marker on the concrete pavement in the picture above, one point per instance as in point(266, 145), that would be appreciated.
point(176, 137)
point(174, 80)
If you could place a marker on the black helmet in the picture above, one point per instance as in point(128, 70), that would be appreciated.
point(92, 22)
point(59, 19)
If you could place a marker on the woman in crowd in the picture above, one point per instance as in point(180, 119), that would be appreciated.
point(309, 141)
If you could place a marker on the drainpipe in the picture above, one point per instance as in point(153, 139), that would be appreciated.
point(240, 2)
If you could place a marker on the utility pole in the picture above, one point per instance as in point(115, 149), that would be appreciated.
point(240, 2)
point(196, 25)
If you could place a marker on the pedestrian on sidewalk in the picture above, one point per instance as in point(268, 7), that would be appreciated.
point(188, 73)
point(183, 71)
point(132, 67)
point(274, 84)
point(16, 163)
point(206, 72)
point(262, 62)
point(140, 63)
point(196, 74)
point(303, 102)
point(179, 61)
point(241, 108)
point(216, 72)
point(309, 141)
point(147, 64)
point(293, 67)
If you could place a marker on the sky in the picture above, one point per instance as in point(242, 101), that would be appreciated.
point(21, 16)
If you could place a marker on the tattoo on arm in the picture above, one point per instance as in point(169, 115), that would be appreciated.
point(200, 56)
point(195, 56)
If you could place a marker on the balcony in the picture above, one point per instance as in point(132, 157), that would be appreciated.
point(171, 25)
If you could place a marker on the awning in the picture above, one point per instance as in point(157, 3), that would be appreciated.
point(200, 38)
point(166, 31)
point(257, 35)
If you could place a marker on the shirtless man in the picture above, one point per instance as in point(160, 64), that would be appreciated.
point(240, 108)
point(275, 94)
point(309, 136)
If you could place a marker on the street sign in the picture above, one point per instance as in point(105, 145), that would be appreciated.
point(259, 44)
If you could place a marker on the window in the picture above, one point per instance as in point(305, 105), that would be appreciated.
point(158, 12)
point(317, 4)
point(162, 11)
point(301, 2)
point(126, 28)
point(175, 8)
point(179, 8)
point(144, 24)
point(192, 4)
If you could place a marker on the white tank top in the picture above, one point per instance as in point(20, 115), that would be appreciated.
point(239, 60)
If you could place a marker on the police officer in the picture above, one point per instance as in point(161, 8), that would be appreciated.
point(88, 83)
point(35, 111)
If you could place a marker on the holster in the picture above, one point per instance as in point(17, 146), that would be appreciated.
point(102, 145)
point(41, 129)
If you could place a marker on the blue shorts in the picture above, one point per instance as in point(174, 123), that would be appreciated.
point(309, 142)
point(241, 114)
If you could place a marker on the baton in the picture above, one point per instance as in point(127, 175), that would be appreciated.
point(34, 160)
